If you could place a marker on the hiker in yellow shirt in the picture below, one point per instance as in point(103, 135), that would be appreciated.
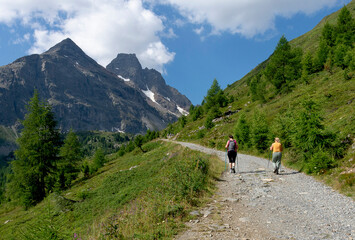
point(276, 149)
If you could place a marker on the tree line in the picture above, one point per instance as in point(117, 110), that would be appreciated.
point(289, 66)
point(45, 162)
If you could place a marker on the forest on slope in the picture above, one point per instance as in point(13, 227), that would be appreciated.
point(303, 93)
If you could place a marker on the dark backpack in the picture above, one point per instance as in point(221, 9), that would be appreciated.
point(232, 145)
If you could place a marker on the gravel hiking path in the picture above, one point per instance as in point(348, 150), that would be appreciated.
point(257, 204)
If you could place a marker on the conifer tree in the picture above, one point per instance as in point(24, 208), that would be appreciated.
point(242, 131)
point(284, 65)
point(215, 96)
point(260, 131)
point(328, 34)
point(345, 27)
point(37, 154)
point(307, 66)
point(70, 154)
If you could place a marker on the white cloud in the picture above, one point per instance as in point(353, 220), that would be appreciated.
point(246, 17)
point(156, 52)
point(198, 31)
point(101, 28)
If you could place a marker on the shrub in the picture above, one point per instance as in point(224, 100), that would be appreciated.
point(320, 162)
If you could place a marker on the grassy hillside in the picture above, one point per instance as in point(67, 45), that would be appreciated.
point(140, 195)
point(332, 90)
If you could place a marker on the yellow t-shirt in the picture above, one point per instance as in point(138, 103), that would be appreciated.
point(276, 147)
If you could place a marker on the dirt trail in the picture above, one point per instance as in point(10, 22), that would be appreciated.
point(256, 204)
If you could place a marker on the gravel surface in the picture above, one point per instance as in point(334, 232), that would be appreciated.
point(257, 204)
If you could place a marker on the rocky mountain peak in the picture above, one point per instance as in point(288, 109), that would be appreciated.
point(84, 95)
point(65, 47)
point(151, 83)
point(126, 65)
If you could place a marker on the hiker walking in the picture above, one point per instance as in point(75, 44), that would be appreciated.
point(232, 148)
point(276, 149)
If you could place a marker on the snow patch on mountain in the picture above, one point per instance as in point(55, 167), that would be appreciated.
point(149, 94)
point(124, 79)
point(182, 111)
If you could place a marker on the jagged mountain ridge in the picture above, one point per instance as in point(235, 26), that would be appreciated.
point(151, 83)
point(84, 95)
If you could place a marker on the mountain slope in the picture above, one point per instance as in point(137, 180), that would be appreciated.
point(314, 117)
point(84, 95)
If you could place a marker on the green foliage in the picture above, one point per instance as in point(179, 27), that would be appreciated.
point(99, 158)
point(70, 156)
point(320, 162)
point(340, 54)
point(257, 88)
point(196, 112)
point(183, 121)
point(345, 28)
point(283, 127)
point(329, 34)
point(308, 127)
point(322, 55)
point(307, 67)
point(260, 131)
point(242, 132)
point(85, 169)
point(44, 227)
point(284, 65)
point(208, 122)
point(215, 97)
point(37, 154)
point(138, 141)
point(109, 142)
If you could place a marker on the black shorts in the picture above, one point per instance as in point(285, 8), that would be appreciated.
point(231, 155)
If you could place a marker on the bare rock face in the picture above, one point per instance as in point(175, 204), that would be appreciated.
point(150, 82)
point(84, 95)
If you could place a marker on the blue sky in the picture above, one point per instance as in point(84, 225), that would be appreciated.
point(191, 42)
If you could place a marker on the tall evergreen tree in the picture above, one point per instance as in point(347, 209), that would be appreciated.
point(328, 34)
point(284, 65)
point(242, 131)
point(260, 131)
point(345, 27)
point(215, 96)
point(307, 66)
point(70, 154)
point(37, 154)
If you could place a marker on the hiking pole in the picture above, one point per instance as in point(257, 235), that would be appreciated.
point(225, 161)
point(237, 164)
point(269, 160)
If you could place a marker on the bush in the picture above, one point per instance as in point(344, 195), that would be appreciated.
point(319, 163)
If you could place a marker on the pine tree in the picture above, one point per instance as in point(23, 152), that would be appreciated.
point(307, 66)
point(307, 135)
point(138, 141)
point(70, 154)
point(242, 131)
point(99, 160)
point(345, 27)
point(260, 131)
point(284, 65)
point(215, 96)
point(322, 55)
point(328, 34)
point(37, 154)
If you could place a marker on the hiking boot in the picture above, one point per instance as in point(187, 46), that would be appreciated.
point(275, 170)
point(233, 170)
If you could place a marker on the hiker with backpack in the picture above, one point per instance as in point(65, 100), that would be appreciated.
point(232, 148)
point(276, 149)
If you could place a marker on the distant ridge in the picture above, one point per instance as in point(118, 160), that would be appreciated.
point(84, 95)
